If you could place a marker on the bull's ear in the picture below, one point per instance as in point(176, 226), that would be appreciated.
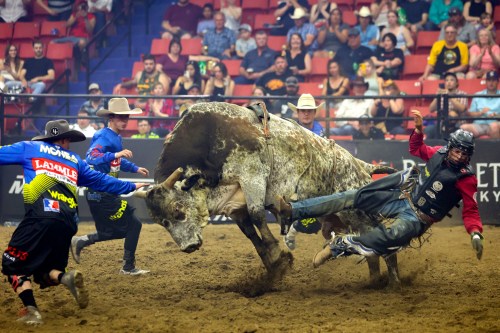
point(169, 183)
point(190, 182)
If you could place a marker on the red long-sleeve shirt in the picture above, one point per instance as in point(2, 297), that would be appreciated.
point(467, 186)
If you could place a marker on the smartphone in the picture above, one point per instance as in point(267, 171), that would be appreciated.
point(441, 86)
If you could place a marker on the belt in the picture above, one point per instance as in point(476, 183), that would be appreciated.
point(421, 215)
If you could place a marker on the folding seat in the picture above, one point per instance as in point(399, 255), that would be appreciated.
point(262, 19)
point(61, 55)
point(201, 3)
point(242, 90)
point(414, 66)
point(425, 40)
point(138, 66)
point(6, 31)
point(251, 8)
point(26, 50)
point(318, 69)
point(430, 87)
point(159, 46)
point(217, 4)
point(471, 86)
point(349, 18)
point(26, 32)
point(191, 46)
point(313, 88)
point(50, 30)
point(496, 16)
point(39, 14)
point(233, 67)
point(410, 87)
point(276, 42)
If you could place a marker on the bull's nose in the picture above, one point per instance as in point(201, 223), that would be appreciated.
point(191, 248)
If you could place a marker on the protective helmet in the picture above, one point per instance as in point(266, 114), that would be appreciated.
point(464, 141)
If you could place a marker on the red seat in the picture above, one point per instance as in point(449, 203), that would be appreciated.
point(318, 69)
point(262, 19)
point(414, 66)
point(496, 16)
point(410, 87)
point(39, 14)
point(3, 47)
point(472, 86)
point(191, 46)
point(425, 40)
point(349, 17)
point(313, 88)
point(15, 110)
point(138, 66)
point(47, 27)
point(255, 4)
point(276, 42)
point(26, 31)
point(201, 3)
point(217, 4)
point(26, 50)
point(6, 30)
point(273, 4)
point(159, 46)
point(345, 5)
point(233, 66)
point(430, 87)
point(61, 55)
point(341, 137)
point(242, 90)
point(424, 111)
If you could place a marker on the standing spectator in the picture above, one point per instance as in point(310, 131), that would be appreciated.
point(220, 84)
point(448, 55)
point(181, 20)
point(232, 13)
point(161, 107)
point(349, 57)
point(245, 43)
point(306, 30)
point(389, 108)
point(404, 41)
point(332, 36)
point(14, 11)
point(274, 82)
point(114, 218)
point(473, 9)
point(94, 104)
point(367, 131)
point(485, 107)
point(320, 13)
point(100, 8)
point(438, 13)
point(335, 84)
point(256, 62)
point(283, 15)
point(369, 32)
point(220, 41)
point(280, 107)
point(37, 70)
point(83, 124)
point(417, 14)
point(191, 76)
point(484, 56)
point(207, 21)
point(144, 129)
point(11, 67)
point(466, 32)
point(306, 112)
point(59, 10)
point(380, 11)
point(388, 59)
point(299, 61)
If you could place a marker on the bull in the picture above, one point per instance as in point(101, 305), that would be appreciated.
point(223, 159)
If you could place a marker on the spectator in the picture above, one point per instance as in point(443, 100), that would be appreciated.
point(404, 41)
point(12, 11)
point(220, 41)
point(37, 70)
point(368, 71)
point(194, 90)
point(11, 68)
point(274, 82)
point(335, 84)
point(352, 108)
point(306, 112)
point(58, 10)
point(100, 8)
point(367, 131)
point(332, 36)
point(232, 13)
point(484, 56)
point(457, 106)
point(485, 107)
point(83, 124)
point(320, 13)
point(369, 32)
point(486, 23)
point(448, 55)
point(258, 92)
point(438, 13)
point(389, 108)
point(473, 9)
point(207, 22)
point(257, 62)
point(245, 42)
point(299, 61)
point(280, 107)
point(283, 15)
point(466, 32)
point(304, 29)
point(388, 59)
point(191, 76)
point(181, 20)
point(161, 107)
point(380, 11)
point(94, 104)
point(417, 14)
point(144, 129)
point(219, 84)
point(349, 57)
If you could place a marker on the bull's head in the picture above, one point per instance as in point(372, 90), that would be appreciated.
point(180, 207)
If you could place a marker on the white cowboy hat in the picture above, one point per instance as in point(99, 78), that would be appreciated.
point(118, 106)
point(364, 12)
point(298, 13)
point(305, 102)
point(57, 130)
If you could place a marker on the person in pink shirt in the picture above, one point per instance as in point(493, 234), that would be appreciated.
point(484, 56)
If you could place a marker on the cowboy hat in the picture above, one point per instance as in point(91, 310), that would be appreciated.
point(298, 13)
point(59, 129)
point(364, 12)
point(305, 102)
point(359, 81)
point(118, 106)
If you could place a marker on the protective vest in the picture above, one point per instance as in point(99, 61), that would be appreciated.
point(435, 193)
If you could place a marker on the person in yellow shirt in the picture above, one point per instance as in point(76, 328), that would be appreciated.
point(144, 129)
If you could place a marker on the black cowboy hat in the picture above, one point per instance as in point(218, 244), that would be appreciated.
point(59, 129)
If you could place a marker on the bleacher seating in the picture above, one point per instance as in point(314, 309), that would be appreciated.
point(276, 42)
point(318, 69)
point(424, 41)
point(191, 46)
point(313, 88)
point(52, 29)
point(6, 31)
point(242, 90)
point(262, 19)
point(61, 55)
point(26, 50)
point(159, 46)
point(349, 18)
point(414, 66)
point(25, 32)
point(233, 67)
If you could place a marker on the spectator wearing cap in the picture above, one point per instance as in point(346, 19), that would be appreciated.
point(256, 62)
point(306, 30)
point(485, 107)
point(438, 13)
point(83, 124)
point(369, 32)
point(447, 56)
point(280, 106)
point(181, 20)
point(474, 9)
point(484, 56)
point(245, 43)
point(274, 82)
point(283, 14)
point(388, 59)
point(219, 41)
point(207, 22)
point(297, 57)
point(306, 112)
point(94, 104)
point(350, 56)
point(367, 131)
point(466, 32)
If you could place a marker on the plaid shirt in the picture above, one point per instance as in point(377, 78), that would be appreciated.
point(218, 42)
point(461, 100)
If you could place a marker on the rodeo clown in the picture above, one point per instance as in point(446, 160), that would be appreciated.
point(114, 217)
point(414, 199)
point(40, 244)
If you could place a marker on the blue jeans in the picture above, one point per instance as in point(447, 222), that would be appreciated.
point(69, 39)
point(37, 87)
point(343, 130)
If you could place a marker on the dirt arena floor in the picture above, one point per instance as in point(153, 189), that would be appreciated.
point(444, 289)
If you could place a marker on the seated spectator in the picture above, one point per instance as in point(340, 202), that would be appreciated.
point(473, 9)
point(352, 108)
point(369, 32)
point(58, 10)
point(380, 11)
point(438, 13)
point(220, 41)
point(207, 22)
point(299, 61)
point(232, 13)
point(258, 92)
point(144, 129)
point(181, 20)
point(457, 106)
point(306, 30)
point(320, 13)
point(11, 67)
point(367, 131)
point(349, 57)
point(368, 71)
point(448, 55)
point(100, 8)
point(274, 82)
point(335, 84)
point(485, 107)
point(161, 107)
point(417, 14)
point(283, 14)
point(332, 36)
point(484, 56)
point(220, 84)
point(12, 11)
point(83, 124)
point(256, 62)
point(280, 107)
point(191, 76)
point(392, 108)
point(245, 42)
point(37, 70)
point(94, 104)
point(404, 41)
point(466, 32)
point(306, 112)
point(486, 23)
point(388, 59)
point(184, 104)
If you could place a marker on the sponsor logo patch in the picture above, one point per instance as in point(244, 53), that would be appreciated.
point(51, 206)
point(421, 201)
point(59, 171)
point(430, 194)
point(437, 186)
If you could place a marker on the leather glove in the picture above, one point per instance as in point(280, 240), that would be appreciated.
point(477, 243)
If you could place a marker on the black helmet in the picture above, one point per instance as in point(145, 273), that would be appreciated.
point(462, 140)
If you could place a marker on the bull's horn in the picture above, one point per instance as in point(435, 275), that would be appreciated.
point(140, 194)
point(170, 181)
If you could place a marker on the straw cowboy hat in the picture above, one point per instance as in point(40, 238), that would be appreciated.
point(118, 106)
point(305, 102)
point(59, 129)
point(298, 13)
point(364, 12)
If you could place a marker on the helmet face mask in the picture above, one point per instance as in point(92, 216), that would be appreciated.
point(462, 141)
